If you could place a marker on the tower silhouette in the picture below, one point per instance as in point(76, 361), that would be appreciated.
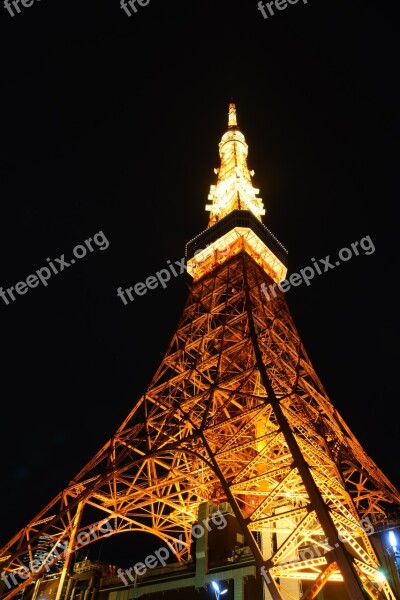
point(235, 413)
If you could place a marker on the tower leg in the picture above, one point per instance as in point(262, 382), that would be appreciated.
point(69, 550)
point(352, 582)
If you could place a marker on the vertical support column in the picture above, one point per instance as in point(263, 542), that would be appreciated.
point(201, 548)
point(36, 589)
point(238, 589)
point(340, 555)
point(88, 589)
point(68, 590)
point(69, 550)
point(292, 586)
point(273, 590)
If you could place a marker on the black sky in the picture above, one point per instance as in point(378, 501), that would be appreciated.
point(112, 124)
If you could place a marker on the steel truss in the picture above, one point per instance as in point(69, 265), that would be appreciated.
point(235, 413)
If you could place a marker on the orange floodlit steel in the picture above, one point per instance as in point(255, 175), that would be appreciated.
point(235, 413)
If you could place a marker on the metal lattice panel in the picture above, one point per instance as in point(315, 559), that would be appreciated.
point(235, 412)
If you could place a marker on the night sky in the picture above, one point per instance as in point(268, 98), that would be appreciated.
point(111, 124)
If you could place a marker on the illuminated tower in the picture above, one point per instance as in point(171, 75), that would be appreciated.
point(235, 413)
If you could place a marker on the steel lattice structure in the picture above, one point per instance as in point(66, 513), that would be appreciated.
point(234, 413)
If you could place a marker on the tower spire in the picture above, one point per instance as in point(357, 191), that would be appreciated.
point(233, 189)
point(234, 414)
point(232, 118)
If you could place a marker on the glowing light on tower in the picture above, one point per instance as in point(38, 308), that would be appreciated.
point(234, 192)
point(233, 188)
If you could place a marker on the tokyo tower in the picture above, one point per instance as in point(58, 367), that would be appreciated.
point(235, 413)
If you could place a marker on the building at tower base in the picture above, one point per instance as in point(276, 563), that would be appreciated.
point(221, 558)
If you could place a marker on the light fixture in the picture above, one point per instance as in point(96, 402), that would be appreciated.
point(380, 576)
point(218, 592)
point(392, 539)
